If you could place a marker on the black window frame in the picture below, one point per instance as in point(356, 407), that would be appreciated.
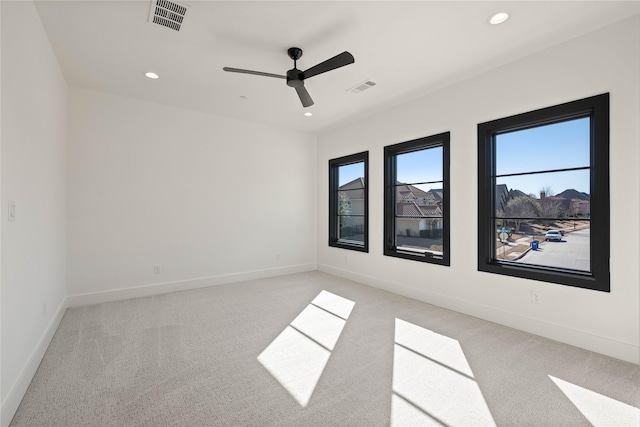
point(390, 193)
point(334, 166)
point(597, 109)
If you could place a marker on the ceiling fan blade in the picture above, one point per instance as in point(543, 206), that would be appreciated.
point(305, 98)
point(257, 73)
point(345, 58)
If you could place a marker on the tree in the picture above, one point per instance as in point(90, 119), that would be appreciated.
point(522, 207)
point(344, 207)
point(547, 190)
point(550, 208)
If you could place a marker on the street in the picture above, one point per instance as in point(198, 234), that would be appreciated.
point(572, 252)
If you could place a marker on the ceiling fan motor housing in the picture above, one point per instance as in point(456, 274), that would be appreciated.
point(293, 78)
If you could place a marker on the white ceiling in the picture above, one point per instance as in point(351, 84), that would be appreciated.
point(408, 48)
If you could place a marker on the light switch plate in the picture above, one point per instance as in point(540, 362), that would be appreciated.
point(12, 210)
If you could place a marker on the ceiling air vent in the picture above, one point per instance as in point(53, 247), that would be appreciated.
point(361, 87)
point(167, 13)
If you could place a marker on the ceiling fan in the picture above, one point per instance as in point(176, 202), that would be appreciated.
point(295, 78)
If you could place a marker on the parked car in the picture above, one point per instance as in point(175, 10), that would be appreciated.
point(553, 235)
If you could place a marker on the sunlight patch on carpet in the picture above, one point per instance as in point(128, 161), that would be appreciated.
point(297, 357)
point(600, 410)
point(333, 303)
point(432, 381)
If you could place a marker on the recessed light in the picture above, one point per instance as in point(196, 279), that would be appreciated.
point(499, 18)
point(151, 75)
point(308, 114)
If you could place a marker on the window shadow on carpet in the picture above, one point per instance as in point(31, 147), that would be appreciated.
point(298, 356)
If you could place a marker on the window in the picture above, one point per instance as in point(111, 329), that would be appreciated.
point(348, 202)
point(543, 194)
point(417, 171)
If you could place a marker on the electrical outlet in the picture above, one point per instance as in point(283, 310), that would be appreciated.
point(536, 297)
point(156, 269)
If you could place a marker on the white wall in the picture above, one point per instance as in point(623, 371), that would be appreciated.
point(607, 60)
point(208, 199)
point(34, 100)
point(214, 200)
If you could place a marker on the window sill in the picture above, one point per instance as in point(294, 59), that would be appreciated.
point(576, 278)
point(351, 245)
point(418, 255)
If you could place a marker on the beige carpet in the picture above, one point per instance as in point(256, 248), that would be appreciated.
point(282, 352)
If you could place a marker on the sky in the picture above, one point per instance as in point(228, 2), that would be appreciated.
point(558, 146)
point(417, 166)
point(350, 172)
point(421, 166)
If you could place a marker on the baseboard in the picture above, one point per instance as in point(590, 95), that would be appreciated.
point(19, 388)
point(598, 344)
point(181, 285)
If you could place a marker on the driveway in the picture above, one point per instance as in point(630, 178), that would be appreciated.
point(572, 252)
